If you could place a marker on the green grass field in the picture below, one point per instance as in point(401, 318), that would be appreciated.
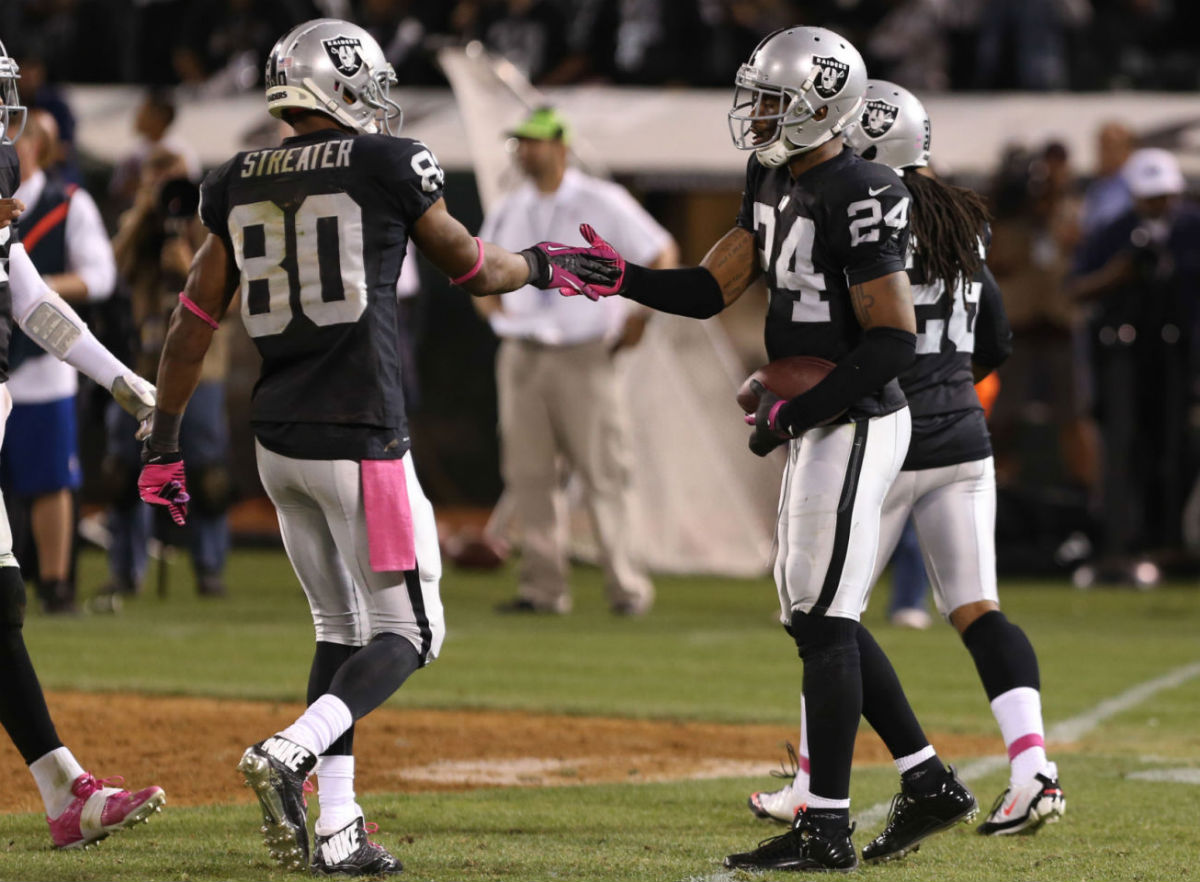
point(710, 651)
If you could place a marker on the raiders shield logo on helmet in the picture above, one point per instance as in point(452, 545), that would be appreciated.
point(878, 116)
point(831, 77)
point(345, 53)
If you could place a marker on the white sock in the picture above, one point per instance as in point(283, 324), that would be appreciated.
point(335, 794)
point(321, 725)
point(1019, 713)
point(55, 773)
point(820, 802)
point(904, 763)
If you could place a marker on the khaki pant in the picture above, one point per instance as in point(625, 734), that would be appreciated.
point(559, 411)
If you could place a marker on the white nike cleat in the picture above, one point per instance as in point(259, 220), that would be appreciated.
point(778, 805)
point(1025, 808)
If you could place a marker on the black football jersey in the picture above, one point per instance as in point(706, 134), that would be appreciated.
point(948, 425)
point(10, 179)
point(840, 223)
point(318, 227)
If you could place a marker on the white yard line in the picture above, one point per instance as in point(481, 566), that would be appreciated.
point(1068, 730)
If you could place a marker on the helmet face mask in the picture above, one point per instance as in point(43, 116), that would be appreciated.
point(335, 68)
point(893, 129)
point(780, 92)
point(12, 113)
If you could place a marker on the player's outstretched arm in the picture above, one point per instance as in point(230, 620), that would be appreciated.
point(50, 322)
point(479, 267)
point(202, 303)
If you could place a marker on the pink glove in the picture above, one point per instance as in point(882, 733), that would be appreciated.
point(596, 271)
point(162, 482)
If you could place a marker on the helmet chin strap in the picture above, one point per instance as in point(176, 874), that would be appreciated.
point(775, 154)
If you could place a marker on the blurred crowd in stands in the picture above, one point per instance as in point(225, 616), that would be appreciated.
point(215, 46)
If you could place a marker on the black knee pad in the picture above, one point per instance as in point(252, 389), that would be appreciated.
point(12, 598)
point(211, 488)
point(818, 634)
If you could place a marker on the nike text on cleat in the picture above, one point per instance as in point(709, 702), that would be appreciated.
point(276, 770)
point(914, 817)
point(349, 852)
point(803, 847)
point(1025, 808)
point(98, 810)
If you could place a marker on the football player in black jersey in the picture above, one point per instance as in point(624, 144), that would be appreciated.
point(312, 235)
point(79, 808)
point(947, 482)
point(829, 231)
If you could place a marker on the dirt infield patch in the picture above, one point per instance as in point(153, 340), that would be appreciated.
point(190, 746)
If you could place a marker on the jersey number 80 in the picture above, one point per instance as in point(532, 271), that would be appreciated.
point(313, 253)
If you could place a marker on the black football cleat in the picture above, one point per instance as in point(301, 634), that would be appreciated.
point(276, 770)
point(349, 852)
point(802, 848)
point(916, 817)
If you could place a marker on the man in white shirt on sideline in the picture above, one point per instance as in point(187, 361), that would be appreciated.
point(555, 375)
point(65, 238)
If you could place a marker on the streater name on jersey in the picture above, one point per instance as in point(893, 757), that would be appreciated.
point(843, 222)
point(318, 229)
point(284, 161)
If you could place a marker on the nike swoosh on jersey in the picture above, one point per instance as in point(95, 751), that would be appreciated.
point(875, 191)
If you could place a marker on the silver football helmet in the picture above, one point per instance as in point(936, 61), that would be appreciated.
point(893, 128)
point(336, 68)
point(10, 100)
point(790, 76)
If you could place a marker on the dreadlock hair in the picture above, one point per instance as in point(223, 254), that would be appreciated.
point(947, 224)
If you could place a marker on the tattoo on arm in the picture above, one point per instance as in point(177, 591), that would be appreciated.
point(862, 302)
point(733, 263)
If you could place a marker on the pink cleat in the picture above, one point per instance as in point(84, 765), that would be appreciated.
point(99, 809)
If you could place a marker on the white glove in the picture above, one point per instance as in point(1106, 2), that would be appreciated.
point(136, 397)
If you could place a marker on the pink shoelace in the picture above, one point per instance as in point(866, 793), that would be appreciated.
point(371, 827)
point(87, 784)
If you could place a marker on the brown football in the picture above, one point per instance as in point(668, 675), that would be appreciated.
point(786, 377)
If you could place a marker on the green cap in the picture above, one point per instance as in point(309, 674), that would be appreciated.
point(544, 124)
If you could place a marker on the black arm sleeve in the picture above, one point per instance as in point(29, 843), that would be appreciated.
point(692, 292)
point(879, 357)
point(993, 336)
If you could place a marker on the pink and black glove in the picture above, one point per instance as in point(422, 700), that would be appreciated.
point(162, 482)
point(596, 271)
point(768, 434)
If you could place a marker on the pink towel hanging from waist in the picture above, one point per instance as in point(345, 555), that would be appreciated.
point(389, 516)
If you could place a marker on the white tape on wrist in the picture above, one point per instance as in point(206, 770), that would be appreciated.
point(54, 331)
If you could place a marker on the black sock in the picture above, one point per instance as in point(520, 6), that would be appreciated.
point(369, 677)
point(828, 821)
point(833, 699)
point(885, 705)
point(327, 658)
point(23, 711)
point(923, 778)
point(1002, 653)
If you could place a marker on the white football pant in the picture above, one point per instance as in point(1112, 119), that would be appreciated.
point(324, 528)
point(828, 530)
point(954, 511)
